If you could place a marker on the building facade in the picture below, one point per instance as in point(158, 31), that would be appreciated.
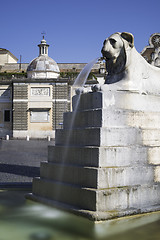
point(39, 100)
point(5, 108)
point(33, 106)
point(38, 107)
point(6, 57)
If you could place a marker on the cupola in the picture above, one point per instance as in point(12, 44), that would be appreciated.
point(43, 66)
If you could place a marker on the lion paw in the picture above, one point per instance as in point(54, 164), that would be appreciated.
point(82, 90)
point(96, 88)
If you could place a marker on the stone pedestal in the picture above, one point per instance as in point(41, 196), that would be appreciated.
point(111, 164)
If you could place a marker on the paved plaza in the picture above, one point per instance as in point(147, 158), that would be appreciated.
point(20, 161)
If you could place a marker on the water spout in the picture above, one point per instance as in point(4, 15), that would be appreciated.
point(82, 77)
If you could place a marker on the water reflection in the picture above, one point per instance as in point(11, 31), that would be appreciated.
point(26, 220)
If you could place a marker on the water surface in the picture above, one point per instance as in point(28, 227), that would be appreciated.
point(21, 219)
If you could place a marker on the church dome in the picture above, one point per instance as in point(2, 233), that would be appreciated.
point(43, 66)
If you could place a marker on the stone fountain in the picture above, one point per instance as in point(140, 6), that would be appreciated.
point(110, 166)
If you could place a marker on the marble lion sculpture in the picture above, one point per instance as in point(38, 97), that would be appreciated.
point(127, 69)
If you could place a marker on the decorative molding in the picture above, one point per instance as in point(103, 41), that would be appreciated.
point(60, 100)
point(20, 100)
point(40, 91)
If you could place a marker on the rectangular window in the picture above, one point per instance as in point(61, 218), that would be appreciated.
point(40, 116)
point(7, 116)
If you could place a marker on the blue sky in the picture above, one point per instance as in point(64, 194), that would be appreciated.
point(75, 30)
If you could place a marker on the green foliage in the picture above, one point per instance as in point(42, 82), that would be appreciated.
point(73, 75)
point(10, 75)
point(70, 75)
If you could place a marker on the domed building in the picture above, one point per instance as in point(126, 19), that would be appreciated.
point(39, 100)
point(43, 66)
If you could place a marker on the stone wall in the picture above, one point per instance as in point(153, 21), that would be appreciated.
point(20, 117)
point(60, 104)
point(20, 91)
point(20, 114)
point(62, 66)
point(14, 67)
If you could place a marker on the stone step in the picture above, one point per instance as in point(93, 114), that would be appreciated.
point(111, 118)
point(99, 137)
point(157, 174)
point(103, 156)
point(154, 155)
point(151, 137)
point(140, 196)
point(65, 193)
point(117, 99)
point(98, 178)
point(108, 137)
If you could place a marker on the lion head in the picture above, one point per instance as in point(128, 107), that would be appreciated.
point(114, 51)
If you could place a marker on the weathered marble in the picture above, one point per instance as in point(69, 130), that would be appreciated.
point(110, 167)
